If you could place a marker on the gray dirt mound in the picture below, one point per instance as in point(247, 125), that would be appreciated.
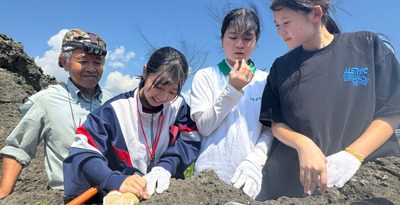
point(377, 179)
point(204, 188)
point(20, 78)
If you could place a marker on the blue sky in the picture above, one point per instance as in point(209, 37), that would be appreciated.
point(39, 26)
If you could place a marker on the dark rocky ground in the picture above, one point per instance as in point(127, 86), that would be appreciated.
point(20, 77)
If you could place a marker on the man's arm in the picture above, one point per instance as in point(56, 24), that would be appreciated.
point(11, 171)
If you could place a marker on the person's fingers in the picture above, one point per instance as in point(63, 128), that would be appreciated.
point(163, 185)
point(302, 176)
point(235, 176)
point(142, 190)
point(136, 185)
point(240, 182)
point(151, 186)
point(323, 180)
point(248, 188)
point(142, 183)
point(245, 72)
point(236, 66)
point(240, 62)
point(250, 76)
point(132, 190)
point(307, 182)
point(314, 181)
point(334, 174)
point(140, 180)
point(331, 174)
point(242, 67)
point(345, 178)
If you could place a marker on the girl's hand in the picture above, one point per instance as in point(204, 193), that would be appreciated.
point(240, 74)
point(135, 184)
point(313, 169)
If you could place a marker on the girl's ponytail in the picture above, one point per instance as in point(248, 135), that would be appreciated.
point(331, 25)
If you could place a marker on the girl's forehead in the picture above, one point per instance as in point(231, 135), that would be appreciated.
point(235, 30)
point(167, 85)
point(284, 12)
point(160, 80)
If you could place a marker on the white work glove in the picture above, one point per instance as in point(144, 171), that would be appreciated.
point(158, 179)
point(248, 175)
point(341, 167)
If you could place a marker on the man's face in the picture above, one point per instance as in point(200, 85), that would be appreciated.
point(85, 69)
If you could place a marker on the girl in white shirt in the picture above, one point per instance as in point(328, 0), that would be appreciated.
point(225, 104)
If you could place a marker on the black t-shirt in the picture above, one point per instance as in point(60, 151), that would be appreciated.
point(330, 95)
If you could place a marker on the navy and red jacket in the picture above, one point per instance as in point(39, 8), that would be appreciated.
point(113, 143)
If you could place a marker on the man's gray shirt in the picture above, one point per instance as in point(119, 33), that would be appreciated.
point(51, 115)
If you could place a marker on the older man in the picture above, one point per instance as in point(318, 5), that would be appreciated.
point(53, 114)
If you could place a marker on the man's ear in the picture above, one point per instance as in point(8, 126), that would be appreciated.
point(144, 72)
point(62, 62)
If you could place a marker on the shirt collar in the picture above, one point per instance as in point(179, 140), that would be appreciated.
point(76, 93)
point(225, 67)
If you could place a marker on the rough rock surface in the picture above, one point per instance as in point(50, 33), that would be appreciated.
point(20, 77)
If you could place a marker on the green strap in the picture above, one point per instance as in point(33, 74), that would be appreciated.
point(225, 68)
point(251, 65)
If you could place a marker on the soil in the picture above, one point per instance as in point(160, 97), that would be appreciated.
point(20, 78)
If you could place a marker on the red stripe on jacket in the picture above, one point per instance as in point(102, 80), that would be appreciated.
point(123, 155)
point(81, 130)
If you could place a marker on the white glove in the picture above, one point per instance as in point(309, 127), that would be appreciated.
point(341, 167)
point(248, 177)
point(159, 176)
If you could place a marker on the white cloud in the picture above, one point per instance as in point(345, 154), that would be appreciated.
point(119, 57)
point(118, 83)
point(116, 64)
point(49, 61)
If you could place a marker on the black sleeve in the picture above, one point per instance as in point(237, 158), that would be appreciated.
point(387, 82)
point(270, 102)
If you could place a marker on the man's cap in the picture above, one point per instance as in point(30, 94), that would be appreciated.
point(88, 42)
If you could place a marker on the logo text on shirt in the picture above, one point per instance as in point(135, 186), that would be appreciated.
point(357, 76)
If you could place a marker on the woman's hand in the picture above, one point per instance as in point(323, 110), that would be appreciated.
point(313, 169)
point(135, 184)
point(240, 74)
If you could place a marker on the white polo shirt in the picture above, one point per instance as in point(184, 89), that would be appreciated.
point(231, 126)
